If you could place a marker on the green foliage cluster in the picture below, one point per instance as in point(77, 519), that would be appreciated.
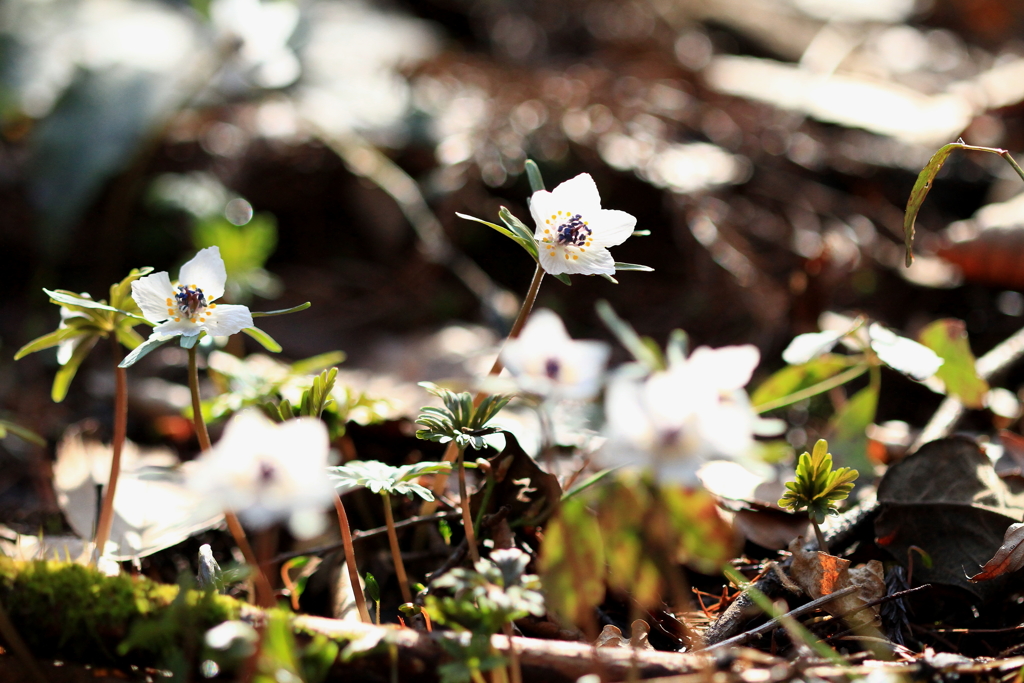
point(386, 479)
point(459, 420)
point(84, 322)
point(818, 488)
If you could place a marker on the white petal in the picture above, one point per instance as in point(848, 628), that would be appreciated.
point(578, 195)
point(307, 523)
point(805, 347)
point(594, 261)
point(902, 354)
point(727, 368)
point(206, 271)
point(225, 320)
point(544, 328)
point(172, 328)
point(151, 294)
point(611, 227)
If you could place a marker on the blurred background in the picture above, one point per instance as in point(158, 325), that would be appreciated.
point(326, 145)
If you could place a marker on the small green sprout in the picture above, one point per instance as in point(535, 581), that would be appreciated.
point(818, 488)
point(83, 321)
point(459, 421)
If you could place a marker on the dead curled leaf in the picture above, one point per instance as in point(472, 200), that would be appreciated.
point(1009, 557)
point(820, 574)
point(947, 500)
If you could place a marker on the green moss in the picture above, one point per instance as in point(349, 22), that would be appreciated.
point(71, 612)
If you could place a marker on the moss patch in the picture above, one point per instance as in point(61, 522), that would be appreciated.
point(71, 612)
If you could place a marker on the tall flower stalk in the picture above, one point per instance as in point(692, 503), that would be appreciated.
point(264, 592)
point(83, 322)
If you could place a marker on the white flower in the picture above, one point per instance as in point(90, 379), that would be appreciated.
point(187, 307)
point(899, 353)
point(266, 472)
point(574, 232)
point(675, 420)
point(546, 361)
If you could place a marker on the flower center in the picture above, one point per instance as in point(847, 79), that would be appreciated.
point(190, 299)
point(552, 368)
point(574, 232)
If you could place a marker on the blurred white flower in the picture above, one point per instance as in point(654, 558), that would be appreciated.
point(546, 361)
point(188, 308)
point(263, 28)
point(574, 232)
point(901, 354)
point(674, 420)
point(266, 472)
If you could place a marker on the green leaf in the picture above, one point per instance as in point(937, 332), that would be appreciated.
point(187, 341)
point(62, 380)
point(313, 364)
point(633, 266)
point(49, 340)
point(793, 378)
point(646, 353)
point(372, 587)
point(563, 278)
point(22, 432)
point(526, 243)
point(609, 278)
point(920, 190)
point(641, 233)
point(847, 429)
point(587, 483)
point(142, 349)
point(71, 299)
point(533, 173)
point(517, 227)
point(283, 311)
point(572, 563)
point(948, 339)
point(128, 337)
point(263, 338)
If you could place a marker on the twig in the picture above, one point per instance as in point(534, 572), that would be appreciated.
point(951, 409)
point(363, 535)
point(777, 622)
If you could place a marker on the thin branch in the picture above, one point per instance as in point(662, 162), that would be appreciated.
point(770, 626)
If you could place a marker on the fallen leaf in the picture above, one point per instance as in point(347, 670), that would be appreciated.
point(1009, 557)
point(820, 574)
point(948, 500)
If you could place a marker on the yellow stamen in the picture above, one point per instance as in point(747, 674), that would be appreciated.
point(170, 302)
point(177, 320)
point(575, 257)
point(202, 320)
point(566, 257)
point(212, 306)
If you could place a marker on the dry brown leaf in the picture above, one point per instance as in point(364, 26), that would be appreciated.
point(820, 574)
point(1009, 557)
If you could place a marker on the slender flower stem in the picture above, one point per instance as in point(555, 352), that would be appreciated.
point(264, 592)
point(467, 515)
point(350, 559)
point(396, 552)
point(441, 479)
point(106, 518)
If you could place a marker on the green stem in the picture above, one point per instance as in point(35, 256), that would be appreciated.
point(396, 552)
point(441, 479)
point(485, 501)
point(822, 545)
point(995, 150)
point(350, 561)
point(264, 592)
point(106, 518)
point(467, 516)
point(813, 390)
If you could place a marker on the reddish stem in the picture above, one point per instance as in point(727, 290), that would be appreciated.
point(106, 518)
point(350, 559)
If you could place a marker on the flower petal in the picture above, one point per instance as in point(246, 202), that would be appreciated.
point(226, 319)
point(805, 347)
point(151, 294)
point(611, 227)
point(726, 368)
point(578, 194)
point(206, 270)
point(173, 328)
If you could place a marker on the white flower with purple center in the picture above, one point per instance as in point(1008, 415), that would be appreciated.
point(573, 231)
point(675, 420)
point(546, 361)
point(267, 472)
point(188, 307)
